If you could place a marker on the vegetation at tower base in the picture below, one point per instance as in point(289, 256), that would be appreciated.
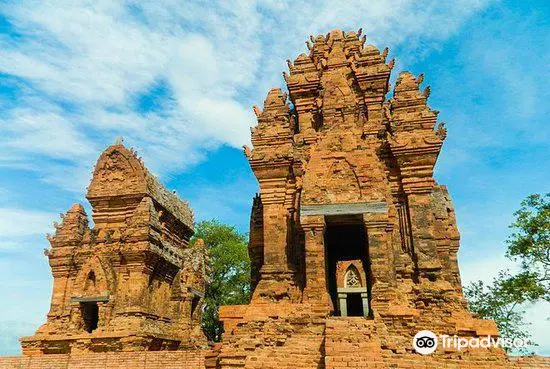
point(352, 244)
point(229, 272)
point(529, 244)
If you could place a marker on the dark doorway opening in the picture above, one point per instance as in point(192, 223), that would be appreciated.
point(345, 239)
point(155, 345)
point(355, 304)
point(90, 315)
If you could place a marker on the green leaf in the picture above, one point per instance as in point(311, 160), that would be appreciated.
point(230, 272)
point(529, 245)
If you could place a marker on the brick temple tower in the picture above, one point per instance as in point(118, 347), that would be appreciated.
point(132, 282)
point(353, 243)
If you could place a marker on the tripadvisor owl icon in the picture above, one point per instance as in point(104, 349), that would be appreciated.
point(425, 342)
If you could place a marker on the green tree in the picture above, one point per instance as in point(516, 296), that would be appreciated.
point(229, 272)
point(528, 245)
point(493, 302)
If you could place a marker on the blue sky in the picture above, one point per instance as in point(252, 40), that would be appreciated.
point(177, 80)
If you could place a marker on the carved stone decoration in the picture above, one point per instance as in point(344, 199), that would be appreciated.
point(117, 171)
point(351, 282)
point(95, 278)
point(352, 278)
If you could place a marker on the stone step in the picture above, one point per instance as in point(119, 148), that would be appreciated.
point(350, 343)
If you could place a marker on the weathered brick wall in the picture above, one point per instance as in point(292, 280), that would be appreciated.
point(338, 356)
point(112, 360)
point(531, 362)
point(273, 336)
point(295, 336)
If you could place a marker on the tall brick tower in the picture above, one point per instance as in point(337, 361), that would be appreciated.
point(130, 283)
point(353, 243)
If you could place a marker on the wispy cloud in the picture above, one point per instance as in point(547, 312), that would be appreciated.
point(20, 222)
point(10, 331)
point(84, 64)
point(501, 62)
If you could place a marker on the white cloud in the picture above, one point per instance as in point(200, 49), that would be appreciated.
point(10, 331)
point(483, 268)
point(539, 317)
point(19, 222)
point(217, 59)
point(46, 132)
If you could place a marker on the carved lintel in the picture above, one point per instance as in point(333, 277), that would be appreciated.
point(90, 299)
point(377, 207)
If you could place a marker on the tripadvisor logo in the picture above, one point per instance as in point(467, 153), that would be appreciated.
point(425, 342)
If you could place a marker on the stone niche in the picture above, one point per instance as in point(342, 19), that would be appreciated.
point(351, 287)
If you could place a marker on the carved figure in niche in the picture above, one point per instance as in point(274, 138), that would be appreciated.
point(90, 284)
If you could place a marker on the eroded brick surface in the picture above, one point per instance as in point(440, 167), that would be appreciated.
point(113, 360)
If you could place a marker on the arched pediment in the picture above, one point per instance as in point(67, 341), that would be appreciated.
point(330, 181)
point(118, 171)
point(350, 274)
point(95, 278)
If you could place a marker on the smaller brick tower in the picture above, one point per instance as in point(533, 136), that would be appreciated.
point(132, 282)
